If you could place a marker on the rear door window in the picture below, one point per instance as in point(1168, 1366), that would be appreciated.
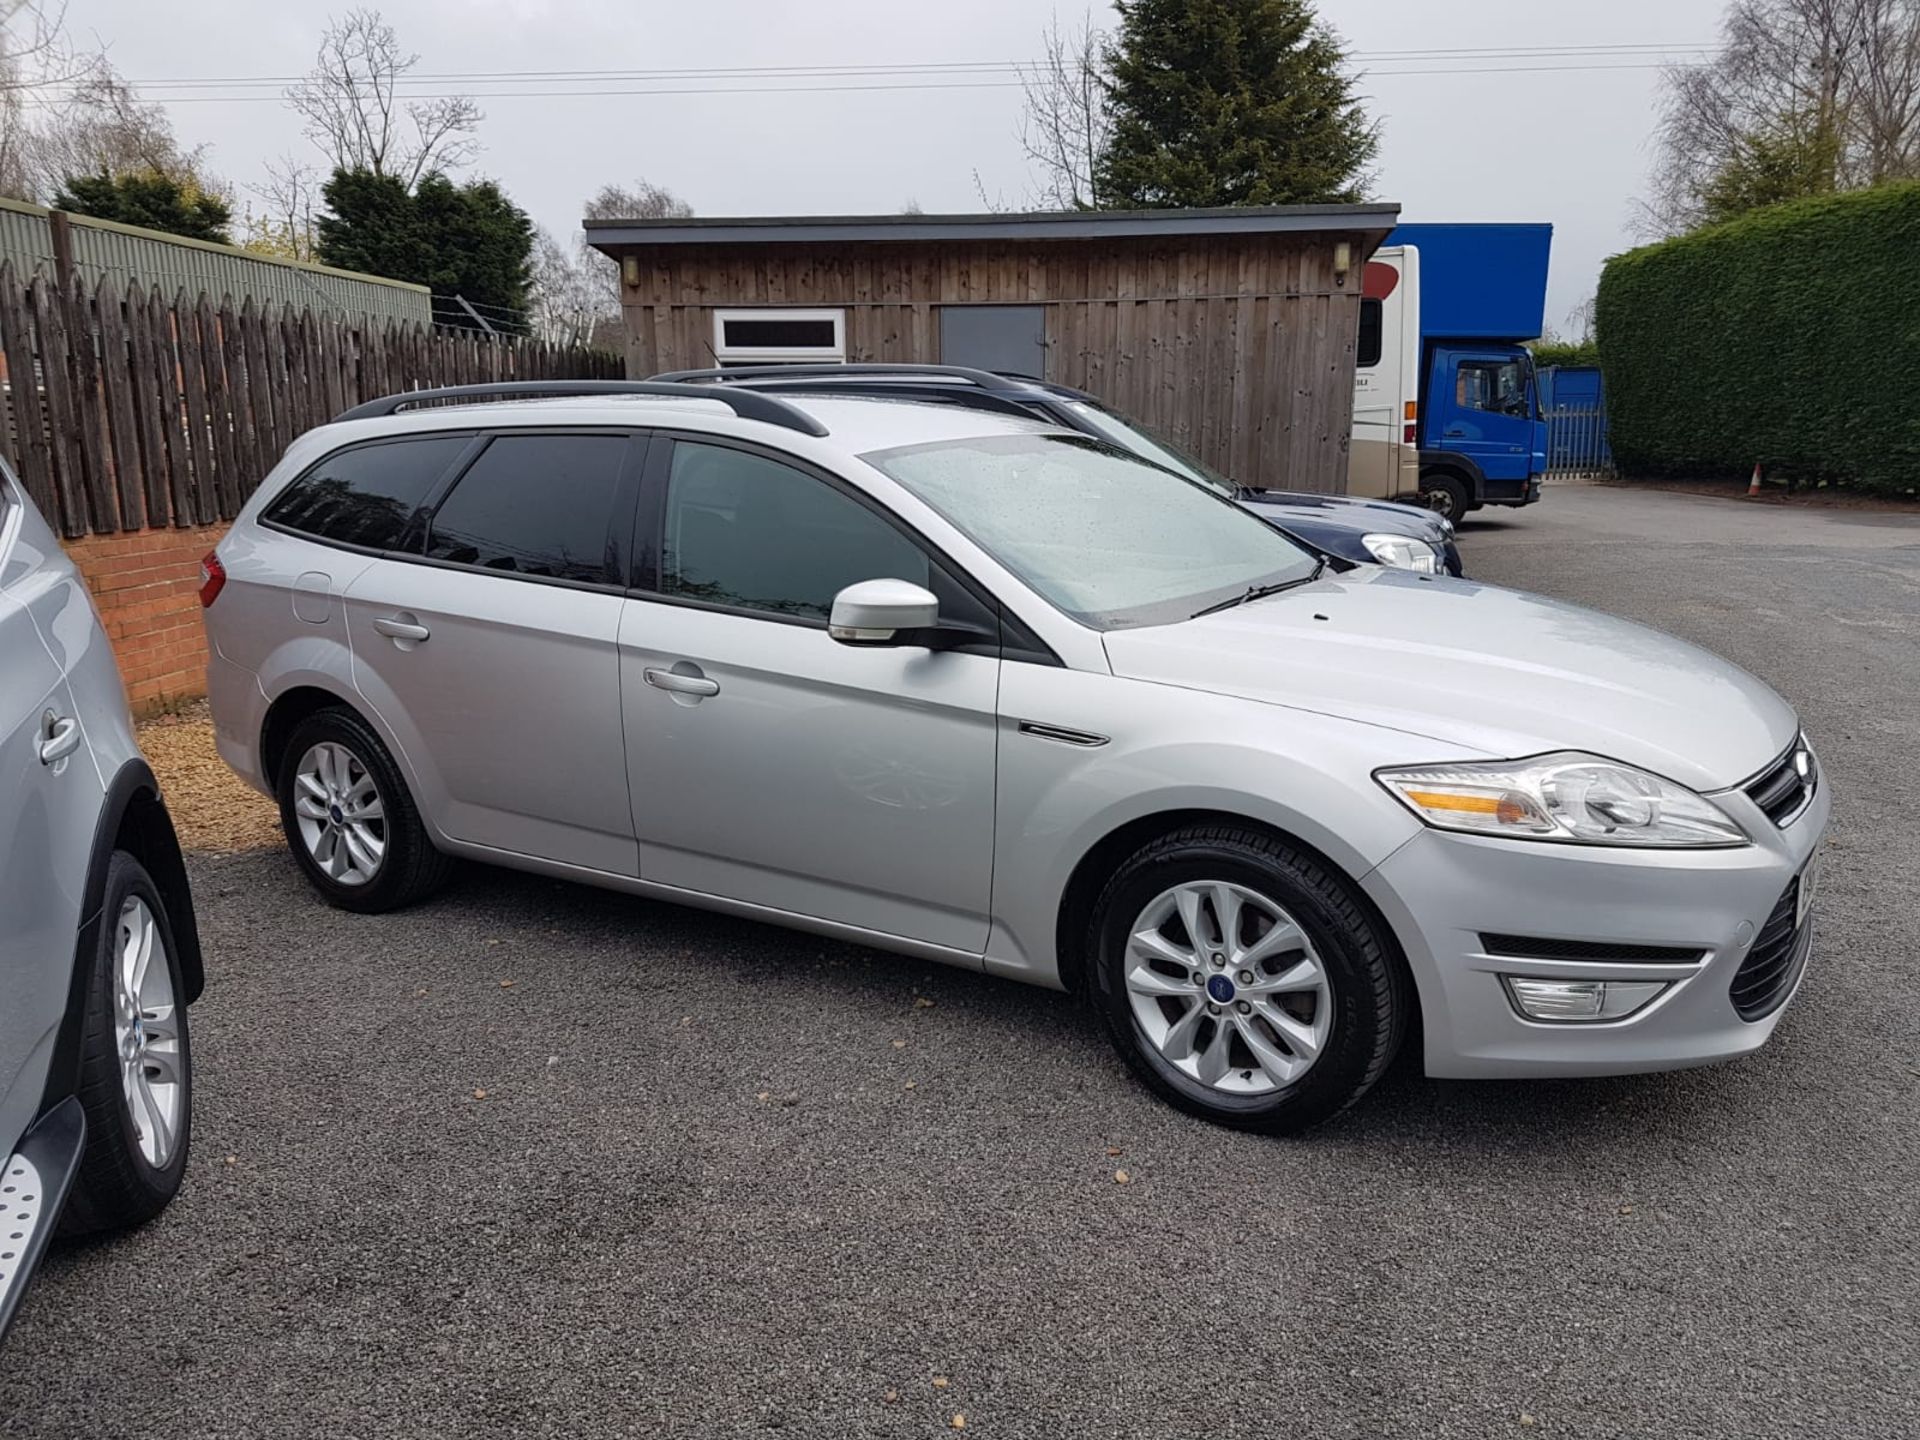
point(367, 495)
point(536, 505)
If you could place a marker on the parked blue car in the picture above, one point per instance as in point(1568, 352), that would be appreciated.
point(1364, 532)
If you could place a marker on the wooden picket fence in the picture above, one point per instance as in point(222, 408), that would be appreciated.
point(127, 411)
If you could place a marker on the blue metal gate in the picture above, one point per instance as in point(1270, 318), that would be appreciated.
point(1573, 399)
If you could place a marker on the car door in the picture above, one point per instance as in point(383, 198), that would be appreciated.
point(50, 801)
point(488, 648)
point(773, 765)
point(1491, 419)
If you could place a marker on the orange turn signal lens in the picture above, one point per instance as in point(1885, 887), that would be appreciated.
point(1468, 804)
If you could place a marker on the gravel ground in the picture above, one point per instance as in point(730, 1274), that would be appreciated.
point(214, 811)
point(535, 1160)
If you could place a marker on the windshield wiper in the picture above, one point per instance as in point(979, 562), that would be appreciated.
point(1260, 592)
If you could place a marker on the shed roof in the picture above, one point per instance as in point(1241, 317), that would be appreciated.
point(610, 235)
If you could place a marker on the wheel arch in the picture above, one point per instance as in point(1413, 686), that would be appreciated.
point(1457, 466)
point(133, 818)
point(284, 715)
point(1091, 872)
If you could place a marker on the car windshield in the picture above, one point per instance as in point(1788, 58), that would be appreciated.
point(1132, 438)
point(1111, 540)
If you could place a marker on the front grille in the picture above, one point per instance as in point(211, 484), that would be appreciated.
point(1784, 787)
point(1765, 978)
point(1527, 947)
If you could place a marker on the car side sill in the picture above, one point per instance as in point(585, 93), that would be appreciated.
point(33, 1189)
point(700, 900)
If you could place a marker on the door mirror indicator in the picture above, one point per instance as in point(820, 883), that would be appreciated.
point(875, 612)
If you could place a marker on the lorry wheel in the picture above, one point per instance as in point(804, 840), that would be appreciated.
point(1447, 496)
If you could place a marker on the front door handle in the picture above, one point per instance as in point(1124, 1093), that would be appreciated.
point(401, 629)
point(59, 737)
point(679, 684)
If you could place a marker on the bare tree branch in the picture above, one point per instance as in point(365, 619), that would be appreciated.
point(1803, 96)
point(588, 282)
point(1064, 121)
point(360, 120)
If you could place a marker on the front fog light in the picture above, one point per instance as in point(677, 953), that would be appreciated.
point(1580, 999)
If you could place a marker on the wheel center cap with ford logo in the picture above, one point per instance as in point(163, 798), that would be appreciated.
point(1220, 989)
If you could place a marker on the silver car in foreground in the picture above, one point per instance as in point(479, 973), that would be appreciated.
point(984, 691)
point(99, 955)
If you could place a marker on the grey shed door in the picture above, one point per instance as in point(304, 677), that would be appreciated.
point(1011, 338)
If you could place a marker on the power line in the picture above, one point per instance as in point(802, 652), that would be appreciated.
point(952, 75)
point(585, 94)
point(908, 68)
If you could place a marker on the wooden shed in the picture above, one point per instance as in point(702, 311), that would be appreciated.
point(1232, 332)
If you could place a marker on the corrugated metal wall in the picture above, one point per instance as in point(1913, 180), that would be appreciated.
point(171, 263)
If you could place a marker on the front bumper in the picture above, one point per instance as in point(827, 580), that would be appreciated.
point(1511, 492)
point(1443, 893)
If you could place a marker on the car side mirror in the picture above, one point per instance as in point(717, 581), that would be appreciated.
point(876, 612)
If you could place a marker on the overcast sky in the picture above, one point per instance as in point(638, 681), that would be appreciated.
point(1567, 146)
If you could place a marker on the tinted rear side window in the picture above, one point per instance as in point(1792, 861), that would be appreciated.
point(533, 505)
point(366, 495)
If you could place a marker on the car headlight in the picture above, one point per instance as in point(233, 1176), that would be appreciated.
point(1403, 552)
point(1568, 797)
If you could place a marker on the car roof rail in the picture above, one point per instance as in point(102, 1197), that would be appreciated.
point(985, 379)
point(747, 404)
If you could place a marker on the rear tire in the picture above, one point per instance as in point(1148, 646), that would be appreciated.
point(349, 819)
point(1447, 496)
point(136, 1064)
point(1313, 1004)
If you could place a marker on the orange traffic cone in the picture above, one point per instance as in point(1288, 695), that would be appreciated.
point(1753, 485)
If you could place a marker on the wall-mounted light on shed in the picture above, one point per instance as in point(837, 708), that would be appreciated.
point(1342, 261)
point(630, 271)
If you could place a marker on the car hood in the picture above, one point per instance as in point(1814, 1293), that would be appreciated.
point(1285, 507)
point(1476, 668)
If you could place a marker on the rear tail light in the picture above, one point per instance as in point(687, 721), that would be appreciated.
point(213, 575)
point(1410, 435)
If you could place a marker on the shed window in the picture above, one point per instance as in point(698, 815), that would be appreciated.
point(776, 337)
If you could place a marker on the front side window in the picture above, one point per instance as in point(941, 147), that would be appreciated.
point(1110, 539)
point(1489, 385)
point(748, 532)
point(534, 505)
point(367, 495)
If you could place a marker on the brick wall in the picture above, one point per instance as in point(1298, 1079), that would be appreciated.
point(146, 584)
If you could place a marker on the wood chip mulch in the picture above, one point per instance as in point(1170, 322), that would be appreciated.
point(213, 810)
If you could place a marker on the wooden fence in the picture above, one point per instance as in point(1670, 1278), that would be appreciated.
point(128, 411)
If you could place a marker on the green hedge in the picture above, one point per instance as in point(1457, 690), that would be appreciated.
point(1565, 352)
point(1790, 336)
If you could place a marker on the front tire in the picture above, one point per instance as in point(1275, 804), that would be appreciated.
point(1244, 981)
point(1447, 496)
point(349, 819)
point(136, 1071)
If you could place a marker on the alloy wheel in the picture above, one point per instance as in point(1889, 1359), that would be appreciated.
point(341, 816)
point(147, 1032)
point(1228, 988)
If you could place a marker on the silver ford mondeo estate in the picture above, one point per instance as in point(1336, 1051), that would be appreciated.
point(983, 691)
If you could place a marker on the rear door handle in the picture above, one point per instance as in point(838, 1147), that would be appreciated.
point(678, 684)
point(59, 737)
point(401, 629)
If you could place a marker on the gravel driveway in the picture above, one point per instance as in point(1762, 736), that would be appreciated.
point(535, 1160)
